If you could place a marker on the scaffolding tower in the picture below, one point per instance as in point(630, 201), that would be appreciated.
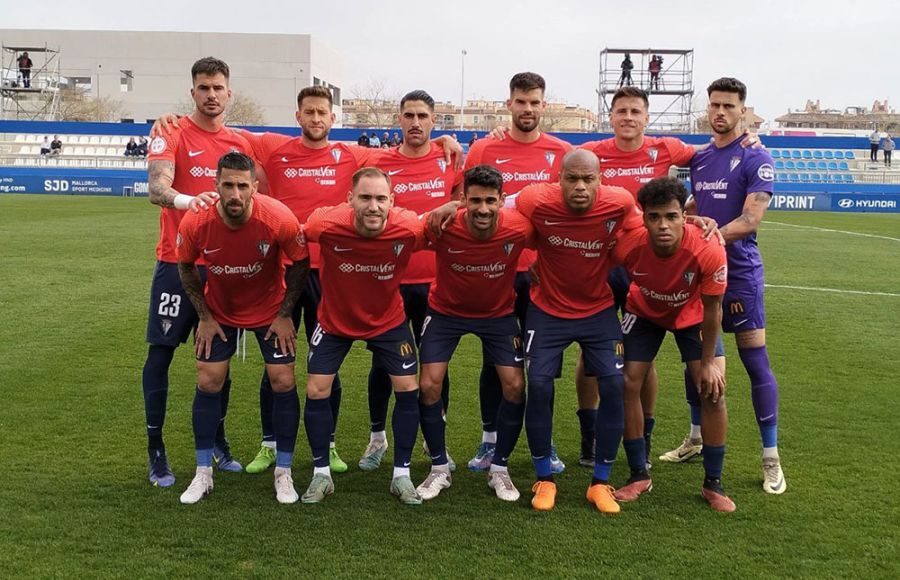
point(670, 92)
point(38, 101)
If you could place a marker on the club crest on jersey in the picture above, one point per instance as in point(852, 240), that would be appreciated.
point(336, 155)
point(610, 226)
point(398, 247)
point(166, 325)
point(158, 145)
point(508, 247)
point(550, 157)
point(735, 161)
point(442, 165)
point(688, 276)
point(179, 240)
point(263, 247)
point(653, 153)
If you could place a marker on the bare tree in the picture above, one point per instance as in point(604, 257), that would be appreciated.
point(77, 104)
point(377, 105)
point(245, 110)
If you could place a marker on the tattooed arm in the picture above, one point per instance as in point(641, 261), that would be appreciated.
point(750, 218)
point(161, 174)
point(207, 328)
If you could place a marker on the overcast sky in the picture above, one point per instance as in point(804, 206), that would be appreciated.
point(786, 52)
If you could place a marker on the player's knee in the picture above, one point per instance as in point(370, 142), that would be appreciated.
point(750, 338)
point(514, 389)
point(632, 388)
point(429, 391)
point(209, 384)
point(282, 379)
point(318, 389)
point(611, 387)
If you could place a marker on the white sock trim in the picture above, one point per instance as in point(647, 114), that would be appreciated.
point(489, 437)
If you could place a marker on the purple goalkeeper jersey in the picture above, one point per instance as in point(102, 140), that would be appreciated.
point(721, 180)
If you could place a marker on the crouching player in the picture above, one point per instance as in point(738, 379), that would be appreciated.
point(677, 283)
point(365, 247)
point(474, 293)
point(241, 241)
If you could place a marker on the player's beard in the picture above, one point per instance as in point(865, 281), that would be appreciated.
point(235, 210)
point(724, 129)
point(518, 122)
point(212, 110)
point(315, 135)
point(484, 222)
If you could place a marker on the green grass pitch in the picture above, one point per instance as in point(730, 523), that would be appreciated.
point(74, 500)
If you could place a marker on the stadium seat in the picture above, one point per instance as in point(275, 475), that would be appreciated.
point(104, 139)
point(817, 154)
point(776, 154)
point(20, 138)
point(821, 165)
point(794, 177)
point(795, 154)
point(848, 178)
point(789, 165)
point(84, 140)
point(829, 154)
point(94, 139)
point(804, 177)
point(838, 154)
point(31, 138)
point(782, 177)
point(849, 155)
point(78, 151)
point(832, 166)
point(807, 154)
point(802, 165)
point(843, 166)
point(779, 164)
point(816, 177)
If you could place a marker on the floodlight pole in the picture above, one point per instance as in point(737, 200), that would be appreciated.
point(462, 92)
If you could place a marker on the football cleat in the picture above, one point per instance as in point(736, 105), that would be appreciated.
point(263, 460)
point(773, 476)
point(335, 462)
point(373, 454)
point(319, 487)
point(224, 461)
point(556, 464)
point(688, 449)
point(158, 470)
point(544, 495)
point(714, 495)
point(433, 484)
point(200, 486)
point(483, 457)
point(502, 484)
point(633, 489)
point(403, 488)
point(602, 496)
point(284, 486)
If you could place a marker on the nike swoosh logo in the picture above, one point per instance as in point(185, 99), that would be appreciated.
point(408, 365)
point(211, 251)
point(701, 168)
point(504, 459)
point(549, 223)
point(317, 458)
point(604, 160)
point(609, 461)
point(284, 159)
point(741, 322)
point(194, 153)
point(452, 251)
point(518, 358)
point(276, 355)
point(767, 417)
point(394, 171)
point(636, 273)
point(406, 464)
point(620, 365)
point(502, 161)
point(337, 249)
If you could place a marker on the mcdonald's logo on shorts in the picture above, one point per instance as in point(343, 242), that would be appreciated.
point(736, 307)
point(406, 349)
point(620, 350)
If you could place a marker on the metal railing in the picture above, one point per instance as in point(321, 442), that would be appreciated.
point(72, 161)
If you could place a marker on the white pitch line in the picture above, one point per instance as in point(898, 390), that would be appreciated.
point(835, 290)
point(835, 231)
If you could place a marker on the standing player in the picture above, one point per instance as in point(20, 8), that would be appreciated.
point(365, 252)
point(242, 242)
point(576, 222)
point(524, 156)
point(678, 279)
point(421, 180)
point(182, 176)
point(733, 185)
point(474, 293)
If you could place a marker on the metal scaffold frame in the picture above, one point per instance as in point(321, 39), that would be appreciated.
point(40, 101)
point(671, 92)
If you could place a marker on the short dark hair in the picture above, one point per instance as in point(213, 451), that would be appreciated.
point(631, 92)
point(237, 161)
point(526, 81)
point(369, 172)
point(210, 66)
point(418, 95)
point(317, 91)
point(728, 85)
point(661, 191)
point(485, 176)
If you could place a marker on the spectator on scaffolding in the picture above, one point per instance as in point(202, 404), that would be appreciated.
point(25, 65)
point(888, 147)
point(655, 68)
point(627, 65)
point(45, 146)
point(131, 148)
point(55, 146)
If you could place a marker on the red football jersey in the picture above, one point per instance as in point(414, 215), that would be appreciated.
point(244, 273)
point(361, 276)
point(476, 278)
point(632, 169)
point(521, 164)
point(195, 153)
point(572, 261)
point(305, 179)
point(666, 291)
point(420, 185)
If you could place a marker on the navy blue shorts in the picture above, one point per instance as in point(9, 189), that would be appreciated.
point(619, 282)
point(223, 351)
point(172, 315)
point(394, 351)
point(500, 338)
point(643, 338)
point(598, 335)
point(743, 308)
